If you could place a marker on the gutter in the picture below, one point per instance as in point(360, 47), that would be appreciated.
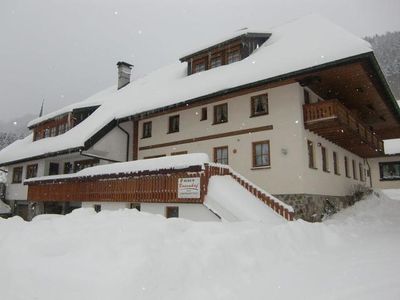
point(2, 170)
point(127, 140)
point(98, 157)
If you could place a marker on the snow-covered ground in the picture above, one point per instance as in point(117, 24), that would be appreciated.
point(131, 255)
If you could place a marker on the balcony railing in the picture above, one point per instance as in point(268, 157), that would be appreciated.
point(335, 122)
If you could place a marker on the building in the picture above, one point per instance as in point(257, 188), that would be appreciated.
point(300, 111)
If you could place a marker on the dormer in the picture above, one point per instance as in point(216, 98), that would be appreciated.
point(61, 123)
point(226, 52)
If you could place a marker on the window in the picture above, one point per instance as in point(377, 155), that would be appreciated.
point(221, 155)
point(31, 171)
point(146, 130)
point(261, 154)
point(259, 105)
point(17, 175)
point(173, 125)
point(53, 169)
point(135, 206)
point(172, 212)
point(199, 67)
point(233, 56)
point(61, 128)
point(83, 164)
point(324, 160)
point(68, 168)
point(221, 113)
point(53, 131)
point(203, 114)
point(311, 158)
point(361, 169)
point(354, 169)
point(179, 153)
point(389, 170)
point(306, 97)
point(97, 207)
point(46, 132)
point(335, 163)
point(346, 166)
point(215, 62)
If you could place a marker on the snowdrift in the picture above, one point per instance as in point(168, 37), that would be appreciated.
point(130, 255)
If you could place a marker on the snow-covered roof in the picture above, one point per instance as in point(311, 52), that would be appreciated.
point(301, 44)
point(176, 162)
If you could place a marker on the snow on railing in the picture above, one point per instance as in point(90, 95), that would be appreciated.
point(281, 208)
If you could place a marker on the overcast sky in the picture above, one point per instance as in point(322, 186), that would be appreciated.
point(65, 50)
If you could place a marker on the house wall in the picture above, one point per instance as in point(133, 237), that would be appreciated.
point(375, 173)
point(194, 212)
point(289, 172)
point(114, 144)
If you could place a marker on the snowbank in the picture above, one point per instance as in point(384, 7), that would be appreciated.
point(232, 202)
point(130, 255)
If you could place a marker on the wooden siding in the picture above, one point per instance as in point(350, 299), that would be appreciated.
point(333, 121)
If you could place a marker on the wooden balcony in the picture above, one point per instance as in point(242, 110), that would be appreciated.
point(336, 123)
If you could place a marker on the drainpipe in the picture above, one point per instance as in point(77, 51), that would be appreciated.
point(127, 141)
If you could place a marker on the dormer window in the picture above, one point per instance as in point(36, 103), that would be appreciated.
point(229, 51)
point(233, 56)
point(199, 67)
point(216, 62)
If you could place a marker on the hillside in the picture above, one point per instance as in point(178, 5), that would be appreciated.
point(387, 51)
point(13, 130)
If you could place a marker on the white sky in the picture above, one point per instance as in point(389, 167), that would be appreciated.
point(65, 50)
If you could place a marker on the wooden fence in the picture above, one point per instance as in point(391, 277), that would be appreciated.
point(159, 186)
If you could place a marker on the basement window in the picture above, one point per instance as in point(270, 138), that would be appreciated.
point(97, 207)
point(135, 206)
point(172, 212)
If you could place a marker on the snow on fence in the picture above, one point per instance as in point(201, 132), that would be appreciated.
point(151, 186)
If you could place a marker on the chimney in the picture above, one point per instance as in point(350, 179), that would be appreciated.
point(124, 73)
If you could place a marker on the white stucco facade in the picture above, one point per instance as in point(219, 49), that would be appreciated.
point(379, 182)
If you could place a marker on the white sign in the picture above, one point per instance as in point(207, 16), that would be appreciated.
point(189, 188)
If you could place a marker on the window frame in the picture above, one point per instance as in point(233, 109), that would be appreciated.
point(170, 122)
point(32, 168)
point(311, 158)
point(147, 133)
point(353, 162)
point(169, 210)
point(216, 108)
point(214, 58)
point(232, 54)
point(324, 156)
point(335, 163)
point(215, 150)
point(253, 104)
point(254, 154)
point(17, 171)
point(204, 113)
point(381, 166)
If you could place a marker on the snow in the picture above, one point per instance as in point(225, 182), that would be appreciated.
point(130, 255)
point(3, 177)
point(153, 164)
point(316, 40)
point(232, 202)
point(392, 146)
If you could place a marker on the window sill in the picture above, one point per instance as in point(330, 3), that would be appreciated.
point(258, 115)
point(170, 132)
point(348, 177)
point(214, 123)
point(338, 174)
point(313, 168)
point(145, 137)
point(326, 171)
point(261, 168)
point(389, 179)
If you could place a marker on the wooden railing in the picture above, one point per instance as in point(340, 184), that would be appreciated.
point(159, 186)
point(333, 109)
